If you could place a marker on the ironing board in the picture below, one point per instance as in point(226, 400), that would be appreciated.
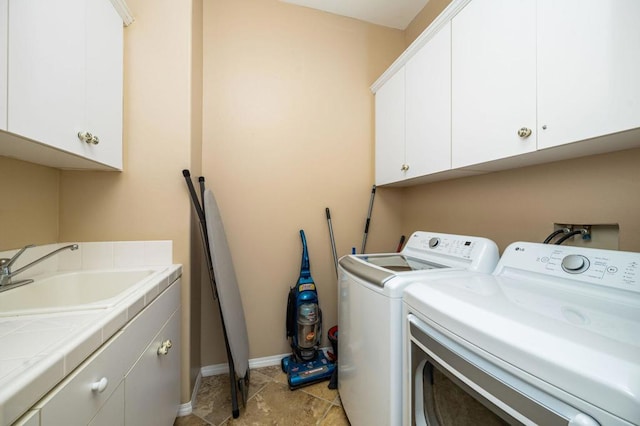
point(227, 285)
point(224, 286)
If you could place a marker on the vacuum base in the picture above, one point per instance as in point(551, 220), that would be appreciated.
point(305, 373)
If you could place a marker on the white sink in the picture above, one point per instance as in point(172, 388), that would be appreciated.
point(71, 291)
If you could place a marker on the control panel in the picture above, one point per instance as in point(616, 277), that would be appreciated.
point(609, 268)
point(453, 248)
point(453, 245)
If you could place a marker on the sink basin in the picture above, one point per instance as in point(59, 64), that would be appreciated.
point(71, 291)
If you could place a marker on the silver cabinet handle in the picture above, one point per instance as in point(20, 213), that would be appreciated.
point(404, 167)
point(94, 140)
point(524, 132)
point(164, 347)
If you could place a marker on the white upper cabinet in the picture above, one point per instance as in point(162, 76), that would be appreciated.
point(428, 107)
point(390, 136)
point(413, 114)
point(493, 81)
point(4, 14)
point(588, 69)
point(65, 82)
point(104, 76)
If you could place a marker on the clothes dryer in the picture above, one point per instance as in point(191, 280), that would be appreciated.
point(551, 337)
point(370, 316)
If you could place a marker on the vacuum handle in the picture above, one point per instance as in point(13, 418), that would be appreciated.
point(305, 269)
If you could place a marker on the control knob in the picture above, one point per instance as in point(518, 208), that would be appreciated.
point(433, 242)
point(575, 264)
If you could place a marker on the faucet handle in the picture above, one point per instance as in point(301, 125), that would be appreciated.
point(15, 257)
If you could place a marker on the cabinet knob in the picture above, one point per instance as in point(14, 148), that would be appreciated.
point(164, 347)
point(100, 385)
point(404, 167)
point(85, 137)
point(88, 138)
point(524, 132)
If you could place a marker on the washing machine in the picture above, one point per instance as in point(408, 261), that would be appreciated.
point(370, 316)
point(552, 337)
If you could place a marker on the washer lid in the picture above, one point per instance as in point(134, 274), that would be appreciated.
point(379, 268)
point(584, 342)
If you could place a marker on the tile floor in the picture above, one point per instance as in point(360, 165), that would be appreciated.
point(270, 403)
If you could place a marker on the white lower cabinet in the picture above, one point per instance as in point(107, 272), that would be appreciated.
point(150, 388)
point(112, 412)
point(31, 418)
point(129, 380)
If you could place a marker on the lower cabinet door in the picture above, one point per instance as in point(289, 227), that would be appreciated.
point(152, 386)
point(112, 412)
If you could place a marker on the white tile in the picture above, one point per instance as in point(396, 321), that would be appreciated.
point(158, 252)
point(31, 343)
point(97, 255)
point(113, 325)
point(128, 253)
point(70, 260)
point(151, 294)
point(9, 365)
point(135, 307)
point(32, 254)
point(83, 345)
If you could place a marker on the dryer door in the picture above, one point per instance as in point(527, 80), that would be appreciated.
point(451, 385)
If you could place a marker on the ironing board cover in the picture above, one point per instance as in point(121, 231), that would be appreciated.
point(227, 285)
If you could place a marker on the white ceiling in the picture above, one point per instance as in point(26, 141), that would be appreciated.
point(390, 13)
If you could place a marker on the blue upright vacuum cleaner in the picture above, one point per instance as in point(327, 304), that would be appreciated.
point(307, 364)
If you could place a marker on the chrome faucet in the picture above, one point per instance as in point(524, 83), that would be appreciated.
point(6, 275)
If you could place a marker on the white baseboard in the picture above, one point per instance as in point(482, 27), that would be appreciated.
point(187, 408)
point(214, 370)
point(268, 361)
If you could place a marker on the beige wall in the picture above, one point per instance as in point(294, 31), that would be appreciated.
point(196, 263)
point(148, 200)
point(29, 206)
point(422, 20)
point(523, 204)
point(288, 131)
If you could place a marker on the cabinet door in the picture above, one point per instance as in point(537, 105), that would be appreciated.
point(390, 122)
point(493, 80)
point(65, 76)
point(47, 71)
point(152, 386)
point(588, 68)
point(4, 16)
point(104, 82)
point(428, 107)
point(112, 412)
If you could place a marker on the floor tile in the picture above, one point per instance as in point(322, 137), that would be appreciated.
point(190, 420)
point(277, 405)
point(270, 402)
point(335, 417)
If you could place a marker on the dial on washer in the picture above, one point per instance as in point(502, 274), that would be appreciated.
point(575, 264)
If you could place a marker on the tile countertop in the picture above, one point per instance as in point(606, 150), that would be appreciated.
point(38, 351)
